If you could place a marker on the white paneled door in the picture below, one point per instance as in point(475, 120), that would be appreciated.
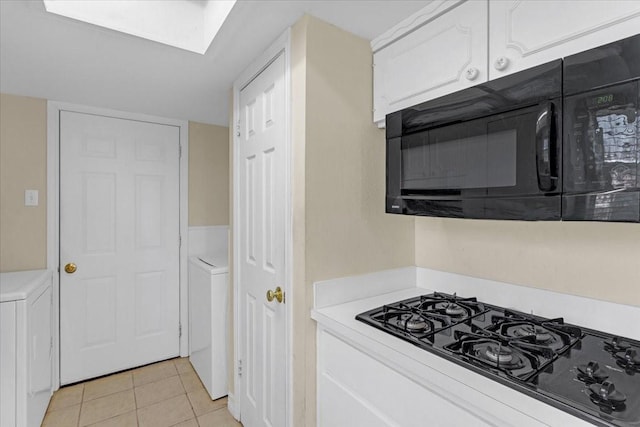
point(261, 247)
point(119, 229)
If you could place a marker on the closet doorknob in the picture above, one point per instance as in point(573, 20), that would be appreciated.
point(278, 295)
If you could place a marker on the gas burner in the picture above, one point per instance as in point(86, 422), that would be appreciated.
point(607, 397)
point(407, 322)
point(454, 309)
point(415, 324)
point(569, 333)
point(541, 334)
point(616, 344)
point(591, 373)
point(498, 353)
point(534, 337)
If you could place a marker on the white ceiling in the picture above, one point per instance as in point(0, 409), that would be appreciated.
point(52, 57)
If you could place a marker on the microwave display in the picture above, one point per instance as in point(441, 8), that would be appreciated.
point(606, 99)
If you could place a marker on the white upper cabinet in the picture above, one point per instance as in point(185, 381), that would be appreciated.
point(452, 44)
point(439, 53)
point(525, 33)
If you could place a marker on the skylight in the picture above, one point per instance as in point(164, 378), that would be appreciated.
point(185, 24)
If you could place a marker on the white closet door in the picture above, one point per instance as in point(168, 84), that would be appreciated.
point(261, 236)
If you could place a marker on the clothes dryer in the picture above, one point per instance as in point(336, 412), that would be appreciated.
point(208, 300)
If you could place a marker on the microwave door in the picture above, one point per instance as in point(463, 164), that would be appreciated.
point(523, 156)
point(439, 172)
point(447, 162)
point(523, 152)
point(484, 168)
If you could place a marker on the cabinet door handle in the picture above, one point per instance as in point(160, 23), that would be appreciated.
point(472, 73)
point(501, 63)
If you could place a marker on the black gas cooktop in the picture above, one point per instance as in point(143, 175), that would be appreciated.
point(593, 375)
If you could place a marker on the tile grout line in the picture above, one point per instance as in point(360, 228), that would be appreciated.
point(84, 386)
point(135, 400)
point(195, 417)
point(175, 365)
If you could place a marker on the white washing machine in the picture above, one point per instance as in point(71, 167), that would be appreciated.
point(26, 347)
point(208, 300)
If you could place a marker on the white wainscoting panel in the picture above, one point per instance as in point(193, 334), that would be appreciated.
point(211, 240)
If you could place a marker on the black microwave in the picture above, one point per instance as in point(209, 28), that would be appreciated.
point(525, 146)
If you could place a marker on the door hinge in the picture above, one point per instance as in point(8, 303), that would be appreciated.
point(240, 367)
point(180, 151)
point(179, 241)
point(179, 330)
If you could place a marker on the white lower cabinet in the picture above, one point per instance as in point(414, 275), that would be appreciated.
point(26, 356)
point(357, 389)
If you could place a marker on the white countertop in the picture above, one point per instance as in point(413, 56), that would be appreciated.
point(18, 285)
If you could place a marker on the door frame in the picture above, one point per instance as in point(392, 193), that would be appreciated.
point(281, 46)
point(53, 211)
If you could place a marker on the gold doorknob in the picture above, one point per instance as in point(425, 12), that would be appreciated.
point(70, 268)
point(277, 294)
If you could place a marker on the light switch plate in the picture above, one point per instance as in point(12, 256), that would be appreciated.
point(31, 197)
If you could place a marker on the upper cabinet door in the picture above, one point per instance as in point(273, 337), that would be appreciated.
point(447, 53)
point(524, 34)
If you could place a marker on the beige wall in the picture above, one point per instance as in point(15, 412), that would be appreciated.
point(589, 259)
point(299, 294)
point(23, 166)
point(208, 174)
point(340, 227)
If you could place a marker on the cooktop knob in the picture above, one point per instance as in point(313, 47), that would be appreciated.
point(606, 392)
point(590, 373)
point(631, 357)
point(606, 389)
point(616, 344)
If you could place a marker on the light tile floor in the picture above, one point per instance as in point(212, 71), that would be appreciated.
point(164, 394)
